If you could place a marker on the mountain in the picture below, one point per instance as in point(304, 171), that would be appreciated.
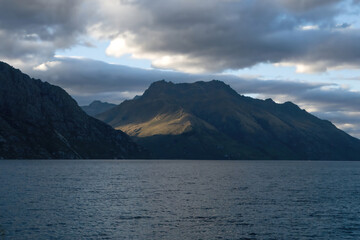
point(209, 120)
point(97, 107)
point(41, 121)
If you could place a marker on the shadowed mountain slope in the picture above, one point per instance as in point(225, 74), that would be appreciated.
point(97, 107)
point(209, 120)
point(39, 120)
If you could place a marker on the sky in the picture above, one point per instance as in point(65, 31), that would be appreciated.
point(304, 51)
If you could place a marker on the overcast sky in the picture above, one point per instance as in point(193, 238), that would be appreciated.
point(305, 51)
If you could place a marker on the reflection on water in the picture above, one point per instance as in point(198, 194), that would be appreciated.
point(179, 200)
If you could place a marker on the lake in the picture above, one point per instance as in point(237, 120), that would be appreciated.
point(161, 199)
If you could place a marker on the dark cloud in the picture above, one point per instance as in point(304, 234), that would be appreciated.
point(348, 122)
point(32, 30)
point(341, 117)
point(236, 34)
point(91, 76)
point(273, 87)
point(305, 5)
point(187, 35)
point(332, 99)
point(87, 80)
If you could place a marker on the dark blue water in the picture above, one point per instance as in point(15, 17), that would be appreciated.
point(179, 200)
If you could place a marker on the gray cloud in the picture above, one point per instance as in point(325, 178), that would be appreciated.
point(91, 76)
point(306, 5)
point(348, 122)
point(333, 99)
point(186, 35)
point(236, 34)
point(87, 80)
point(32, 30)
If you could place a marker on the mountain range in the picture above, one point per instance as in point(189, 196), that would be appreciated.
point(41, 121)
point(201, 120)
point(209, 120)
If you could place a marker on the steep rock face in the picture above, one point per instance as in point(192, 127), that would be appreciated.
point(97, 107)
point(209, 120)
point(39, 120)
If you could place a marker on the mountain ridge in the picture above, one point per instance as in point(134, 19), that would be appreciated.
point(218, 123)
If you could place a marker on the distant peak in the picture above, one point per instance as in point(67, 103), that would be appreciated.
point(98, 103)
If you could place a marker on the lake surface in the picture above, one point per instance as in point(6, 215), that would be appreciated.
point(179, 200)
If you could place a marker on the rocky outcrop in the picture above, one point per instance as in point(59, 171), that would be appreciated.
point(39, 120)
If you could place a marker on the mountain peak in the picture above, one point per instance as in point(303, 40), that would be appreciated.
point(209, 84)
point(164, 89)
point(161, 84)
point(96, 102)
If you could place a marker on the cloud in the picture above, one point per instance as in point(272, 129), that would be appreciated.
point(194, 37)
point(87, 80)
point(187, 35)
point(86, 77)
point(347, 121)
point(306, 5)
point(45, 66)
point(32, 30)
